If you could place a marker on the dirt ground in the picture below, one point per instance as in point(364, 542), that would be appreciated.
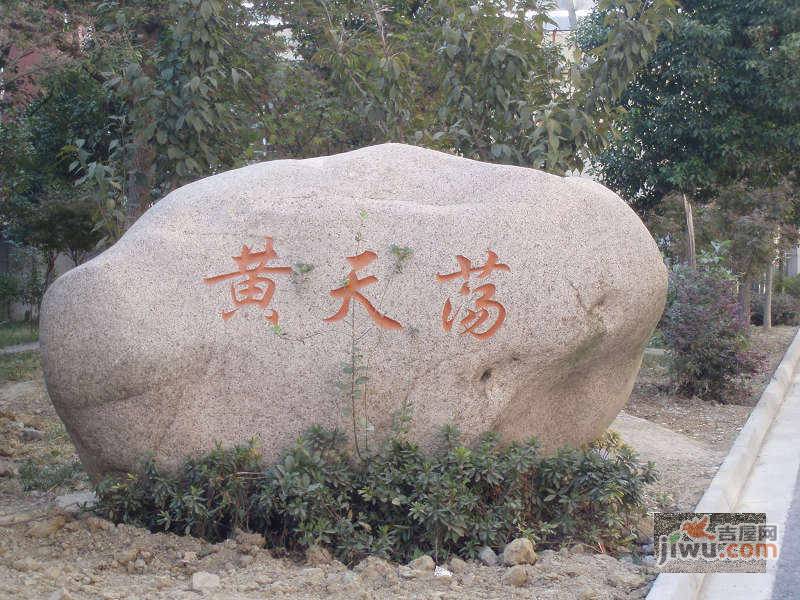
point(47, 551)
point(707, 422)
point(688, 438)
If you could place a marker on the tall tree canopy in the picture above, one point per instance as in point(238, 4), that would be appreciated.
point(718, 103)
point(714, 120)
point(195, 86)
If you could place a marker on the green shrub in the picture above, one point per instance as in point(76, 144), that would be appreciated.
point(9, 293)
point(398, 503)
point(789, 285)
point(785, 310)
point(706, 337)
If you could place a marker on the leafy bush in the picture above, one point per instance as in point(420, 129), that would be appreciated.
point(398, 503)
point(705, 335)
point(9, 292)
point(790, 286)
point(785, 310)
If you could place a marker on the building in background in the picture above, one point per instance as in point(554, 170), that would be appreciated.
point(791, 262)
point(566, 17)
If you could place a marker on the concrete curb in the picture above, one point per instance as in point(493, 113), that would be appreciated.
point(723, 493)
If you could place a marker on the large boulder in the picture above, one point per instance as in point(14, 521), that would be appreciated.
point(487, 296)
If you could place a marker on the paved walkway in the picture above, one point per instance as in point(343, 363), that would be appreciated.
point(17, 348)
point(787, 581)
point(771, 488)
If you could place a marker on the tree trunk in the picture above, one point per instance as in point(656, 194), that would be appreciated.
point(50, 258)
point(768, 296)
point(133, 206)
point(745, 299)
point(573, 19)
point(692, 254)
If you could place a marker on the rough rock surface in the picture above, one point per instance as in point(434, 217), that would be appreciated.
point(487, 556)
point(138, 357)
point(518, 576)
point(519, 552)
point(202, 581)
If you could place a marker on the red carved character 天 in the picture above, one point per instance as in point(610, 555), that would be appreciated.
point(350, 291)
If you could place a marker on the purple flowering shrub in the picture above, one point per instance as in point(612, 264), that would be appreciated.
point(706, 337)
point(785, 310)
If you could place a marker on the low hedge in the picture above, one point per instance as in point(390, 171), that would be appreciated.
point(396, 504)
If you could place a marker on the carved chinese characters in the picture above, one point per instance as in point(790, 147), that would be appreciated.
point(485, 304)
point(483, 314)
point(256, 287)
point(350, 292)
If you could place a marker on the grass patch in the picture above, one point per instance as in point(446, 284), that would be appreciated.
point(21, 366)
point(34, 475)
point(12, 334)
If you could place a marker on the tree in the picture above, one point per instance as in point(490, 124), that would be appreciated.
point(717, 104)
point(196, 86)
point(40, 205)
point(478, 79)
point(178, 72)
point(717, 108)
point(37, 37)
point(759, 223)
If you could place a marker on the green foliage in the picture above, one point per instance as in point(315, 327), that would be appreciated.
point(790, 286)
point(402, 254)
point(706, 336)
point(176, 74)
point(209, 497)
point(354, 386)
point(656, 340)
point(510, 96)
point(481, 80)
point(34, 24)
point(752, 220)
point(302, 268)
point(714, 115)
point(9, 292)
point(60, 224)
point(398, 502)
point(32, 291)
point(47, 477)
point(40, 206)
point(173, 91)
point(717, 103)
